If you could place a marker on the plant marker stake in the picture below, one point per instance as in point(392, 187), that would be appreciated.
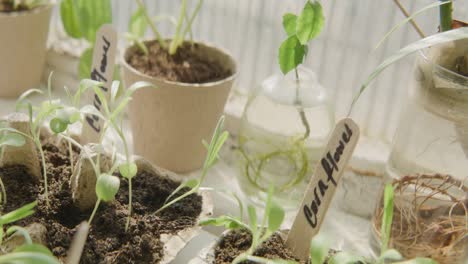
point(322, 187)
point(102, 70)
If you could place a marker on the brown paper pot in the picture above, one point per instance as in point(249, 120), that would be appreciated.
point(170, 122)
point(22, 49)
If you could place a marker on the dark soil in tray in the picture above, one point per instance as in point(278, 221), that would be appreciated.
point(107, 241)
point(238, 241)
point(7, 6)
point(186, 65)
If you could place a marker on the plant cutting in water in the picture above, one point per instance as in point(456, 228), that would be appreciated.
point(141, 19)
point(28, 252)
point(81, 19)
point(300, 30)
point(261, 232)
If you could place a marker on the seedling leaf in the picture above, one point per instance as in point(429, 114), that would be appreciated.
point(419, 261)
point(345, 258)
point(12, 139)
point(107, 187)
point(291, 54)
point(70, 21)
point(289, 23)
point(252, 218)
point(310, 22)
point(128, 170)
point(226, 221)
point(138, 23)
point(57, 125)
point(391, 255)
point(37, 248)
point(275, 217)
point(18, 214)
point(22, 231)
point(28, 258)
point(84, 65)
point(192, 183)
point(319, 249)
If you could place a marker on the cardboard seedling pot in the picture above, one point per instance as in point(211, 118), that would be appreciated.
point(23, 49)
point(170, 122)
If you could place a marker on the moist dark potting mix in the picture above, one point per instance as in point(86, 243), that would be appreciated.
point(186, 65)
point(107, 241)
point(236, 242)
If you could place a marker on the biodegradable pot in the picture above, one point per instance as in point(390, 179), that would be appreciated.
point(23, 49)
point(170, 122)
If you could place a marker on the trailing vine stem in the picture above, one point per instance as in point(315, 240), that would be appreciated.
point(301, 109)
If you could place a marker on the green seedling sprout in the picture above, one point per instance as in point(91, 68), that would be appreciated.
point(272, 219)
point(29, 252)
point(82, 19)
point(217, 141)
point(38, 115)
point(140, 20)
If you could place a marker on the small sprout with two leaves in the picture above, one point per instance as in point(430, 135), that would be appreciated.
point(140, 20)
point(29, 252)
point(272, 219)
point(217, 141)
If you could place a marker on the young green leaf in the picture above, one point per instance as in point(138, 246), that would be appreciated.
point(289, 23)
point(37, 248)
point(12, 139)
point(107, 187)
point(28, 258)
point(345, 258)
point(84, 65)
point(92, 14)
point(128, 170)
point(418, 261)
point(319, 248)
point(18, 214)
point(226, 221)
point(387, 217)
point(447, 36)
point(275, 217)
point(70, 20)
point(310, 22)
point(390, 255)
point(20, 230)
point(57, 125)
point(253, 223)
point(138, 23)
point(192, 183)
point(19, 102)
point(291, 54)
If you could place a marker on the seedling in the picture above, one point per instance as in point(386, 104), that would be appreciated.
point(81, 20)
point(29, 252)
point(217, 141)
point(272, 219)
point(140, 20)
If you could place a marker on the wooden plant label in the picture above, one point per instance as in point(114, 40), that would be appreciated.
point(322, 187)
point(102, 70)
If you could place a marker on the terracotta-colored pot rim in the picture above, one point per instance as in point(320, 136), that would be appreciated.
point(182, 84)
point(35, 10)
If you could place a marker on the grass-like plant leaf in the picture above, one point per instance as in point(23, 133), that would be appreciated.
point(387, 218)
point(440, 38)
point(310, 22)
point(18, 214)
point(22, 231)
point(408, 19)
point(138, 23)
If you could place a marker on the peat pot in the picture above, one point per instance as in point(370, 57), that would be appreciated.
point(428, 162)
point(23, 50)
point(170, 122)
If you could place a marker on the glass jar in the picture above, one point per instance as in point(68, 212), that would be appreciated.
point(428, 164)
point(283, 131)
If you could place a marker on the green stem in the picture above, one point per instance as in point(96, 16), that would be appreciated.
point(188, 28)
point(152, 25)
point(176, 40)
point(70, 151)
point(44, 171)
point(96, 206)
point(4, 198)
point(129, 204)
point(301, 109)
point(445, 13)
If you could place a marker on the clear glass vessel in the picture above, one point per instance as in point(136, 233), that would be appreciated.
point(428, 164)
point(284, 128)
